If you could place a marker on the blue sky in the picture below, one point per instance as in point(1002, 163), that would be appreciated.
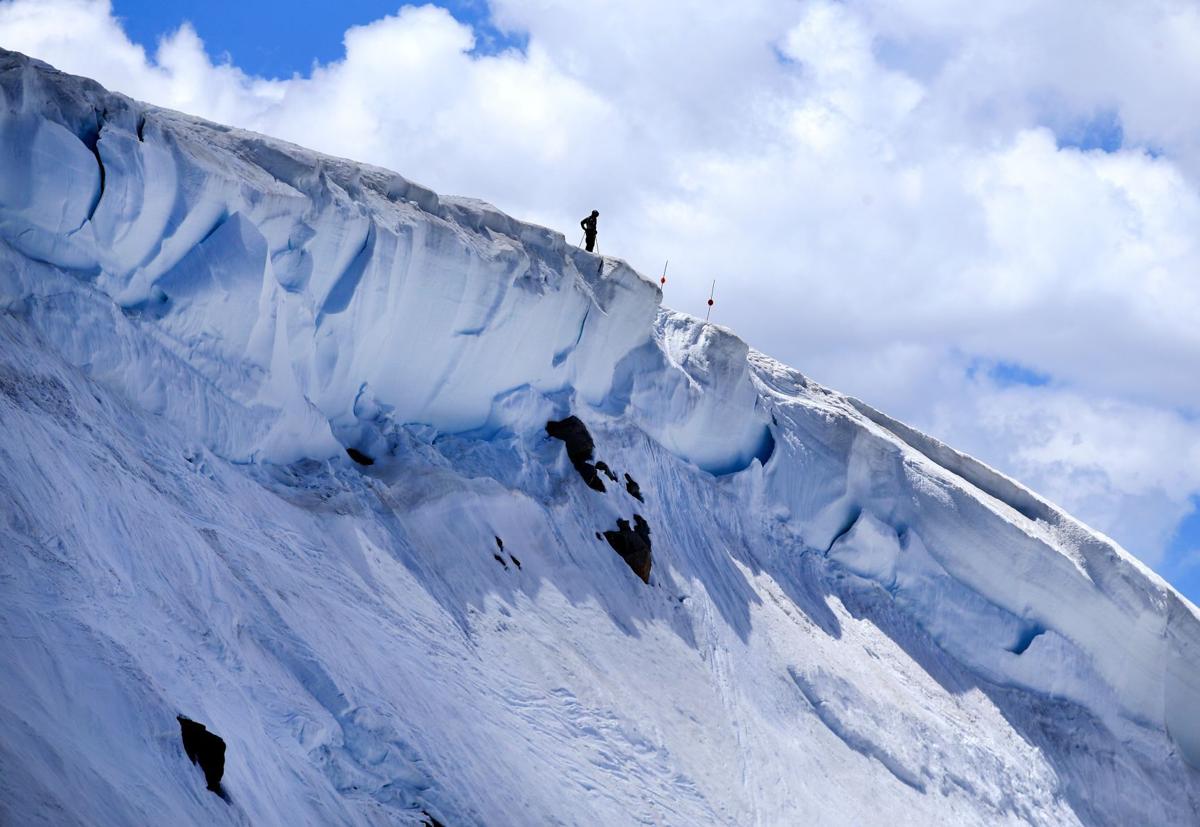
point(1007, 374)
point(278, 38)
point(1183, 567)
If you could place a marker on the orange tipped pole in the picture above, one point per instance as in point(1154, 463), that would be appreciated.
point(711, 293)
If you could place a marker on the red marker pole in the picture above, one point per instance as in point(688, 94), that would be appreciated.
point(711, 293)
point(663, 281)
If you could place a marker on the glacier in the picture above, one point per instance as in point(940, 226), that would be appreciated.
point(274, 458)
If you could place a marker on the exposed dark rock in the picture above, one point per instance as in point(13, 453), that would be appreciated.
point(205, 749)
point(599, 536)
point(580, 448)
point(499, 543)
point(359, 457)
point(608, 472)
point(500, 560)
point(633, 488)
point(633, 544)
point(429, 821)
point(516, 562)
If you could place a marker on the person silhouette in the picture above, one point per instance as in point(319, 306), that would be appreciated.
point(589, 229)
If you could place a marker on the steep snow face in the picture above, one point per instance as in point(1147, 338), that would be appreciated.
point(845, 621)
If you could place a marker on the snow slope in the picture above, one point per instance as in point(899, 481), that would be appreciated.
point(846, 622)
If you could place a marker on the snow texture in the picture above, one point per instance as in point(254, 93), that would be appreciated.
point(846, 621)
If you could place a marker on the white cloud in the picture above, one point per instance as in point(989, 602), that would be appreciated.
point(875, 186)
point(1129, 470)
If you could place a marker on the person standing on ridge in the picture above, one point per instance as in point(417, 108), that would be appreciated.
point(589, 229)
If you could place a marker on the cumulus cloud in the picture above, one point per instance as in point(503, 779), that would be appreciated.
point(887, 193)
point(1131, 470)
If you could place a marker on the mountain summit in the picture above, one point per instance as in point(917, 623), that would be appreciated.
point(325, 499)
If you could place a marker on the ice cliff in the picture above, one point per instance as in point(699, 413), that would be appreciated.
point(275, 459)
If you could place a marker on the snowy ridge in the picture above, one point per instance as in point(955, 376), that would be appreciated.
point(303, 286)
point(199, 322)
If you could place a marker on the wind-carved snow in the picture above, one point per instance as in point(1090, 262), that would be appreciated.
point(845, 621)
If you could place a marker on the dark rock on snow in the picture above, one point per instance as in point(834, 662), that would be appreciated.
point(359, 457)
point(580, 448)
point(633, 545)
point(206, 749)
